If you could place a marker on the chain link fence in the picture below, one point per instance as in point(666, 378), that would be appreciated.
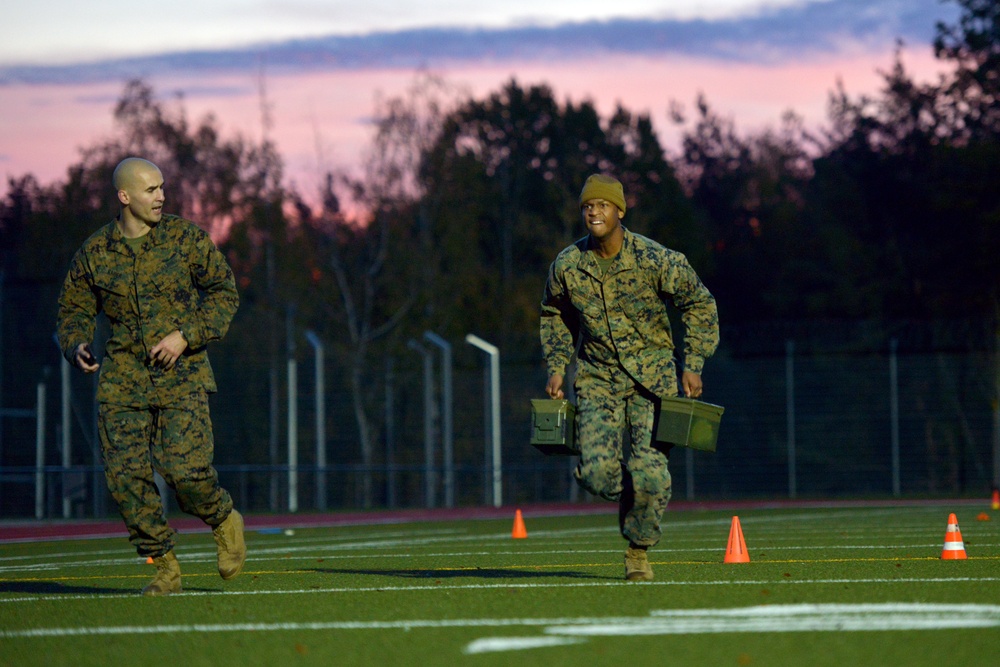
point(812, 411)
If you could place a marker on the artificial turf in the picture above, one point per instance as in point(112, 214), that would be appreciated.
point(824, 586)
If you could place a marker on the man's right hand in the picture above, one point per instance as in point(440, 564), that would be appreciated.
point(555, 387)
point(85, 359)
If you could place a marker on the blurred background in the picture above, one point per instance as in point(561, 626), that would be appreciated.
point(390, 251)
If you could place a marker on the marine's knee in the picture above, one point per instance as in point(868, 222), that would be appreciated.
point(652, 479)
point(601, 477)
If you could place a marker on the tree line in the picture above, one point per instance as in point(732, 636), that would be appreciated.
point(890, 211)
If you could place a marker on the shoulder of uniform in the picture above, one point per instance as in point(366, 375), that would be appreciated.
point(99, 239)
point(171, 220)
point(175, 224)
point(654, 256)
point(571, 253)
point(646, 248)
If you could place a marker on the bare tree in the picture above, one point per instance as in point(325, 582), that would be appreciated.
point(371, 257)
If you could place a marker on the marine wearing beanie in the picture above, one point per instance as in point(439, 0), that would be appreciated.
point(599, 186)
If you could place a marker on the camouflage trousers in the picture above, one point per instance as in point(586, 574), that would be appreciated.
point(608, 410)
point(174, 439)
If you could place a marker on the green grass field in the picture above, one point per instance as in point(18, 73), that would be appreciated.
point(825, 586)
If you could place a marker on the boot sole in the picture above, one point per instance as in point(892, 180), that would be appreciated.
point(233, 575)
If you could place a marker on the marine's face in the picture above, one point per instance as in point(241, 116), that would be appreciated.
point(143, 194)
point(601, 217)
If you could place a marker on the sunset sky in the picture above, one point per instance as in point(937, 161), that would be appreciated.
point(323, 64)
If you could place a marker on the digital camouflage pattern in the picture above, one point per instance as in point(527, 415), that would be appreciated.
point(152, 417)
point(177, 440)
point(625, 364)
point(178, 281)
point(605, 412)
point(621, 316)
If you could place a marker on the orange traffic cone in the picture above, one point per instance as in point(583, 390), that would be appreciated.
point(954, 547)
point(996, 499)
point(149, 560)
point(519, 531)
point(736, 550)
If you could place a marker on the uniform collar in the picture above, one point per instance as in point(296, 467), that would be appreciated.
point(625, 260)
point(115, 241)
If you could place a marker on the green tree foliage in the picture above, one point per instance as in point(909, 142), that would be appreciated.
point(502, 188)
point(912, 174)
point(973, 46)
point(749, 193)
point(229, 186)
point(892, 212)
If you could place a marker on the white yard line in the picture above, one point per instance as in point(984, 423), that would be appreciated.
point(312, 552)
point(776, 618)
point(473, 586)
point(770, 618)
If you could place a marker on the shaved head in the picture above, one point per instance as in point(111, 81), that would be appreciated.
point(139, 188)
point(127, 170)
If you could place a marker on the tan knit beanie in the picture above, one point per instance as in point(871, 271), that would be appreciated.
point(599, 186)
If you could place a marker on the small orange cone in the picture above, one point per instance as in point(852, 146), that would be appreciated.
point(149, 560)
point(996, 499)
point(519, 531)
point(954, 547)
point(736, 550)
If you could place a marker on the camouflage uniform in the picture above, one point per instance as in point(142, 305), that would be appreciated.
point(150, 416)
point(625, 364)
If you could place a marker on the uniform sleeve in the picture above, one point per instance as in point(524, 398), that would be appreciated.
point(558, 324)
point(77, 309)
point(698, 313)
point(219, 299)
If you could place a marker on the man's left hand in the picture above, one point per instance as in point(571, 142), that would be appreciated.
point(691, 383)
point(169, 350)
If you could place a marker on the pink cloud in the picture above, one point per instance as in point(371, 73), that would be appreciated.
point(320, 119)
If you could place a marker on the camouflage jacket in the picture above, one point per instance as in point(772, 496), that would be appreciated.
point(621, 317)
point(179, 280)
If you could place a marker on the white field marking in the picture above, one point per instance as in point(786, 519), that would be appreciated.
point(314, 552)
point(77, 555)
point(479, 587)
point(797, 618)
point(677, 524)
point(195, 555)
point(774, 618)
point(258, 556)
point(499, 644)
point(340, 541)
point(777, 618)
point(444, 535)
point(62, 554)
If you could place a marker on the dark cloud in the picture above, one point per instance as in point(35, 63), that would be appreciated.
point(772, 36)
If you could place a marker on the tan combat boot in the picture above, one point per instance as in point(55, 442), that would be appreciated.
point(168, 576)
point(232, 549)
point(637, 567)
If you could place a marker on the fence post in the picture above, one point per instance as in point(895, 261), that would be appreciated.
point(447, 420)
point(67, 439)
point(320, 401)
point(494, 377)
point(390, 432)
point(293, 416)
point(429, 481)
point(40, 451)
point(790, 413)
point(894, 415)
